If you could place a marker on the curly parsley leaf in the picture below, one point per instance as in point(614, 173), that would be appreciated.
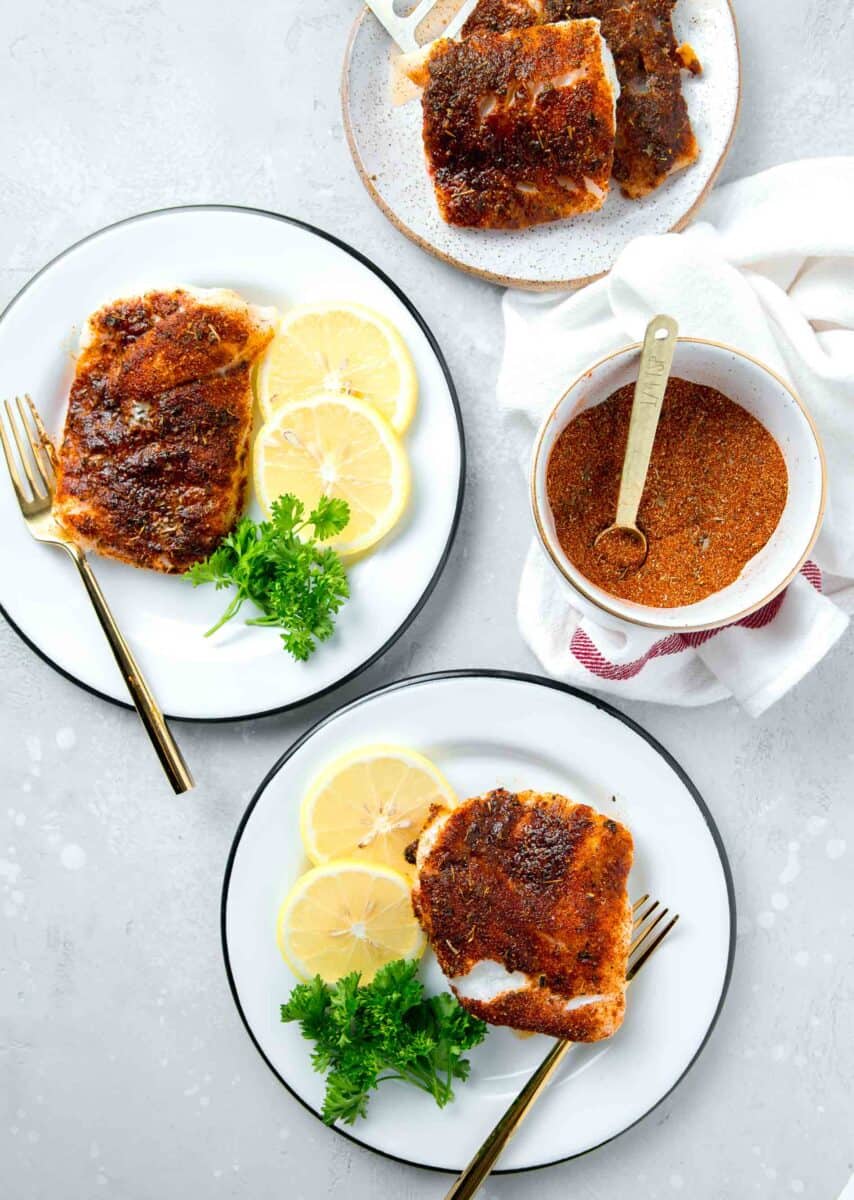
point(329, 516)
point(280, 567)
point(387, 1029)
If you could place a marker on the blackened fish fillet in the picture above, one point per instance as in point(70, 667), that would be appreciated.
point(153, 462)
point(523, 896)
point(519, 124)
point(654, 134)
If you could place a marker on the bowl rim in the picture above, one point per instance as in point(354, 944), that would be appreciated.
point(577, 581)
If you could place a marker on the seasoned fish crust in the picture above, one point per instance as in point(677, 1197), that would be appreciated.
point(519, 125)
point(523, 896)
point(654, 134)
point(153, 460)
point(499, 15)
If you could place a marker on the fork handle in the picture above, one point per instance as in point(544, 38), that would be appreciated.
point(152, 718)
point(469, 1182)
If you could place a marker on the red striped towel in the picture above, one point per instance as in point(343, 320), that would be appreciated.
point(770, 270)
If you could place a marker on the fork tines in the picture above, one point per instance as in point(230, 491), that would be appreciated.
point(648, 916)
point(34, 455)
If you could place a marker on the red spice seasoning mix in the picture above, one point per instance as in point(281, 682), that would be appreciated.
point(714, 494)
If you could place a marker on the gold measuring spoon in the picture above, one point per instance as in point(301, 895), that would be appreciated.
point(623, 543)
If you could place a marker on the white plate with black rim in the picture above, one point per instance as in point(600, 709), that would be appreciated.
point(387, 149)
point(242, 671)
point(486, 729)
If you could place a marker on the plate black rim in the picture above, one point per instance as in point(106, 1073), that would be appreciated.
point(522, 677)
point(436, 349)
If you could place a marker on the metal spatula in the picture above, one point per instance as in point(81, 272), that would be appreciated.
point(429, 19)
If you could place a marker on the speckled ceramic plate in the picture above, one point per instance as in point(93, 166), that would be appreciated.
point(485, 729)
point(241, 672)
point(385, 141)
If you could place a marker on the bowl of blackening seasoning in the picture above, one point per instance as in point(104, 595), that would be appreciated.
point(733, 500)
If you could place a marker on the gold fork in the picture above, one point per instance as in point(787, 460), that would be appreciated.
point(645, 921)
point(36, 508)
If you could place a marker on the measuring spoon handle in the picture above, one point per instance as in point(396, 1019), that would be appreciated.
point(659, 344)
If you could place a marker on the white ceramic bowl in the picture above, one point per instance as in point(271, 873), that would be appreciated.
point(771, 401)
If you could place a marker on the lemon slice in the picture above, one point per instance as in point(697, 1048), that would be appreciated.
point(339, 348)
point(370, 804)
point(348, 916)
point(332, 445)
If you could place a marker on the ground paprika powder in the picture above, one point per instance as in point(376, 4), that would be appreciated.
point(714, 494)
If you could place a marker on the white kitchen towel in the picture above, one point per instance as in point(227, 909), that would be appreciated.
point(769, 270)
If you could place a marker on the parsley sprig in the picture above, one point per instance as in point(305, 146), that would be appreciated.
point(387, 1029)
point(279, 566)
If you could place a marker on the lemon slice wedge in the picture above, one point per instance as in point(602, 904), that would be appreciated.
point(370, 804)
point(339, 348)
point(348, 916)
point(335, 445)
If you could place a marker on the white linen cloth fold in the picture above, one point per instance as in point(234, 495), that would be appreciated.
point(769, 270)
